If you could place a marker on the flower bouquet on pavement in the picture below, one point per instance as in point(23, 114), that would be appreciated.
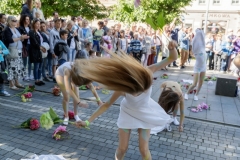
point(209, 78)
point(56, 91)
point(48, 119)
point(164, 76)
point(31, 123)
point(60, 133)
point(200, 108)
point(26, 97)
point(27, 89)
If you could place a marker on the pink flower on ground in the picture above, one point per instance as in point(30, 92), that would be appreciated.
point(71, 114)
point(204, 106)
point(34, 124)
point(194, 110)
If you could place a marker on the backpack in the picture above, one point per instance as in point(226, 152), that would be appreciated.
point(59, 48)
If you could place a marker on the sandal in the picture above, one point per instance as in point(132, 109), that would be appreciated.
point(13, 87)
point(20, 86)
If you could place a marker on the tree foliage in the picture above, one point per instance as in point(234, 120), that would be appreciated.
point(125, 11)
point(89, 9)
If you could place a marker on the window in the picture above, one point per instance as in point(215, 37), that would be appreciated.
point(235, 1)
point(216, 1)
point(202, 1)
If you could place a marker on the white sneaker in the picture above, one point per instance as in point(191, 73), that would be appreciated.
point(168, 127)
point(26, 78)
point(186, 96)
point(195, 98)
point(65, 121)
point(31, 78)
point(175, 121)
point(77, 118)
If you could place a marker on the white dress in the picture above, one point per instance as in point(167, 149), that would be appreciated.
point(141, 112)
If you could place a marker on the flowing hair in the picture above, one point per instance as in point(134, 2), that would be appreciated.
point(119, 73)
point(168, 100)
point(76, 78)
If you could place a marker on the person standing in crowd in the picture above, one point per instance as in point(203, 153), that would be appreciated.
point(27, 9)
point(35, 54)
point(122, 42)
point(64, 24)
point(147, 42)
point(62, 47)
point(105, 28)
point(55, 15)
point(47, 61)
point(230, 38)
point(157, 43)
point(209, 51)
point(75, 26)
point(53, 39)
point(72, 41)
point(236, 45)
point(107, 42)
point(13, 39)
point(135, 48)
point(217, 49)
point(184, 47)
point(3, 75)
point(37, 8)
point(2, 24)
point(97, 37)
point(174, 34)
point(166, 37)
point(51, 26)
point(200, 65)
point(84, 34)
point(191, 35)
point(24, 29)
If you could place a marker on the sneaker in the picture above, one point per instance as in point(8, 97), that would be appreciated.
point(54, 80)
point(168, 127)
point(4, 93)
point(65, 121)
point(46, 79)
point(186, 96)
point(175, 65)
point(31, 78)
point(77, 118)
point(41, 82)
point(26, 79)
point(182, 67)
point(195, 98)
point(175, 121)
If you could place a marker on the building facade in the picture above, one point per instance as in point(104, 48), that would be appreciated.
point(222, 16)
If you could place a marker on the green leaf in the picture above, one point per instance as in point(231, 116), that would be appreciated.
point(26, 124)
point(53, 114)
point(160, 20)
point(151, 23)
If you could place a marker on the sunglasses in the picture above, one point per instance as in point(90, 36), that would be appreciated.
point(14, 20)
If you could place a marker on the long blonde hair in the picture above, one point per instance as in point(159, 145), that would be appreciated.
point(119, 73)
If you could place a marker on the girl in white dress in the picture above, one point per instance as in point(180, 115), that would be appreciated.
point(138, 110)
point(198, 49)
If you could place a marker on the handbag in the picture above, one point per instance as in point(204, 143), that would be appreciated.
point(13, 52)
point(24, 52)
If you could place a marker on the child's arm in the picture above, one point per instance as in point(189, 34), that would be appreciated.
point(172, 57)
point(181, 114)
point(95, 94)
point(101, 109)
point(67, 84)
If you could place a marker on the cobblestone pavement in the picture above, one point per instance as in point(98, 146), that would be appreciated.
point(200, 140)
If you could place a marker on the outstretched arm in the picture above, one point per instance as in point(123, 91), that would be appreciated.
point(101, 109)
point(181, 114)
point(172, 57)
point(95, 94)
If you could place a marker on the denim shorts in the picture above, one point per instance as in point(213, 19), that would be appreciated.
point(61, 61)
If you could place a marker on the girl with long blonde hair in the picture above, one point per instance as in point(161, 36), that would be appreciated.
point(128, 78)
point(68, 79)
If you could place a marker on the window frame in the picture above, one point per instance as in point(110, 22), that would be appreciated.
point(238, 3)
point(202, 3)
point(217, 4)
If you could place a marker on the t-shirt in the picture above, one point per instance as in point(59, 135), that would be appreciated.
point(84, 31)
point(98, 34)
point(174, 34)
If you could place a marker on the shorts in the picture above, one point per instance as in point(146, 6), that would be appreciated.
point(61, 61)
point(97, 44)
point(55, 61)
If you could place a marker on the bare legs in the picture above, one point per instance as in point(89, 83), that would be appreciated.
point(124, 136)
point(197, 81)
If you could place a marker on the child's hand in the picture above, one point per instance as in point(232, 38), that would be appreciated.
point(172, 45)
point(100, 103)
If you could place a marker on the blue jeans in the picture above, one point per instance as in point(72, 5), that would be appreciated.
point(49, 65)
point(61, 61)
point(44, 63)
point(224, 64)
point(96, 43)
point(158, 49)
point(37, 70)
point(71, 55)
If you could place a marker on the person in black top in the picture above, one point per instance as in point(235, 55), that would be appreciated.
point(2, 24)
point(27, 9)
